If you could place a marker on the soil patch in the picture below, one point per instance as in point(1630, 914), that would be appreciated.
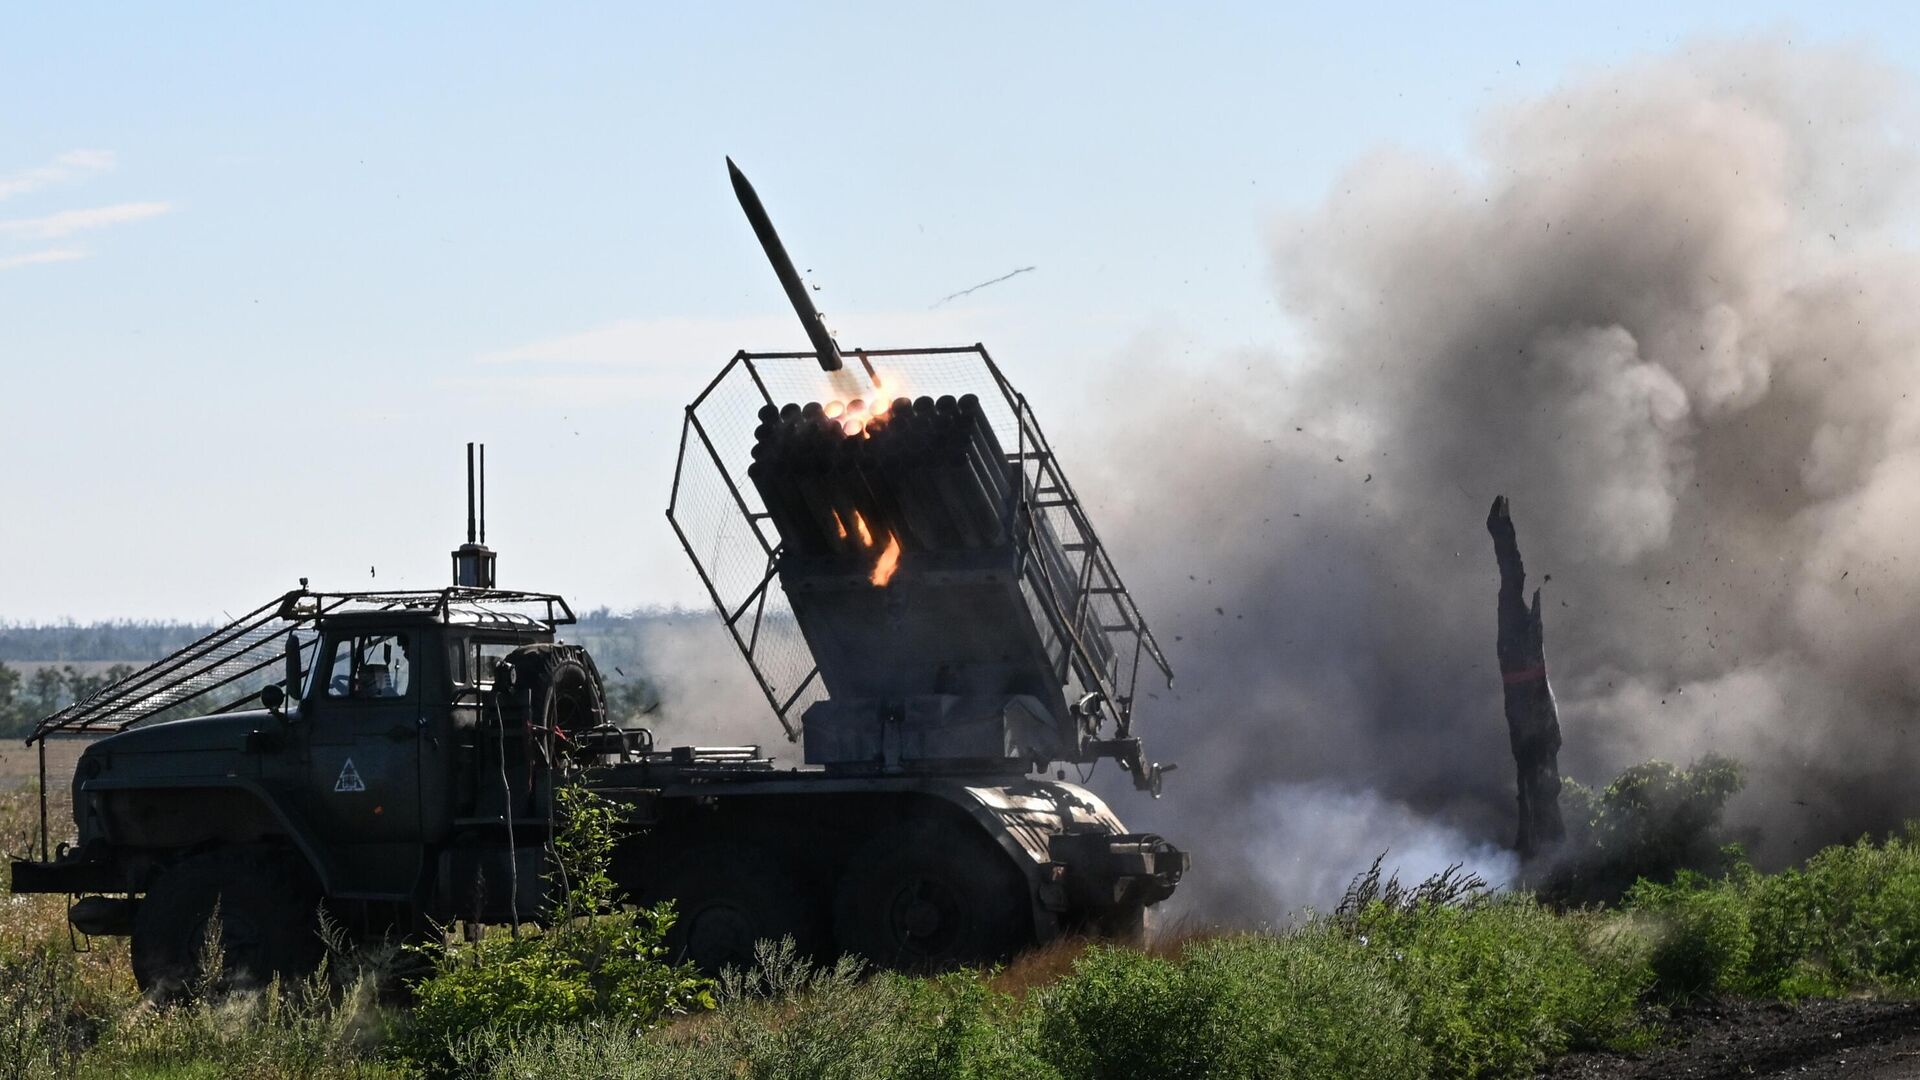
point(1817, 1040)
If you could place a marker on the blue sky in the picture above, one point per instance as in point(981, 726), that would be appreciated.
point(263, 272)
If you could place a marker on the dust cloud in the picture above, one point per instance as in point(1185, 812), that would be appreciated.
point(1670, 309)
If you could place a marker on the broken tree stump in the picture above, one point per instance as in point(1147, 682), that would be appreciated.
point(1533, 721)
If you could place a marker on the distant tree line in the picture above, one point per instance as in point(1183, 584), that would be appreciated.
point(109, 641)
point(25, 699)
point(27, 694)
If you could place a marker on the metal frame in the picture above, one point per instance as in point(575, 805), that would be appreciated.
point(255, 642)
point(1043, 487)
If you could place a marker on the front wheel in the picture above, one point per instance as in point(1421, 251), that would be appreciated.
point(267, 924)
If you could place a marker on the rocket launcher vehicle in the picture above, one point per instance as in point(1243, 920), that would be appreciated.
point(931, 596)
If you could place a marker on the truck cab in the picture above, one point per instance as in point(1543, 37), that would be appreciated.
point(358, 775)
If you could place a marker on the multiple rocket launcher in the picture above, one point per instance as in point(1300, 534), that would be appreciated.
point(919, 487)
point(907, 475)
point(950, 595)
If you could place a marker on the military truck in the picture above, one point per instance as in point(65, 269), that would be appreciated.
point(895, 552)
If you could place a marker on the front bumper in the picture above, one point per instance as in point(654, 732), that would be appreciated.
point(70, 873)
point(1104, 871)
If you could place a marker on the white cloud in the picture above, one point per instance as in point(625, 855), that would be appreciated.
point(71, 165)
point(34, 258)
point(673, 343)
point(670, 359)
point(68, 222)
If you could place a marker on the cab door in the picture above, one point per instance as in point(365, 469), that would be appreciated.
point(363, 753)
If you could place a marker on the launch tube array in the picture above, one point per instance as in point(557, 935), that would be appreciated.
point(848, 478)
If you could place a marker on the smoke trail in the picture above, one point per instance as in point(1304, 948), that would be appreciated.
point(1669, 309)
point(1302, 857)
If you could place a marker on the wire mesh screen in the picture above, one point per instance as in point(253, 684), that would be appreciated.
point(238, 659)
point(1091, 630)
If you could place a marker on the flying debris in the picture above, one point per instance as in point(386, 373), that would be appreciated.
point(982, 285)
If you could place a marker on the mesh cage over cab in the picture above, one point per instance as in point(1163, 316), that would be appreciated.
point(1088, 629)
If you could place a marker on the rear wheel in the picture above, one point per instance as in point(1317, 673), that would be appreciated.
point(268, 925)
point(932, 895)
point(727, 897)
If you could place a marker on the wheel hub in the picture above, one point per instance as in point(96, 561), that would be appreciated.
point(927, 915)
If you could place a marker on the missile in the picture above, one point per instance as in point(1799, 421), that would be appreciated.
point(816, 327)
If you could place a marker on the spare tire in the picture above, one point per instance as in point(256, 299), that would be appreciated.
point(567, 692)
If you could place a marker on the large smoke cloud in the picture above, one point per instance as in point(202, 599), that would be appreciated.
point(1673, 310)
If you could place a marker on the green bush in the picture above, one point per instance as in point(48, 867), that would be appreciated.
point(1652, 822)
point(1848, 922)
point(1499, 985)
point(788, 1019)
point(1703, 940)
point(595, 961)
point(1307, 1004)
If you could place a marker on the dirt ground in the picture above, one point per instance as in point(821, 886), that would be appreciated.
point(1820, 1040)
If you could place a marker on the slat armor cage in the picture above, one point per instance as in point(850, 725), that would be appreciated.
point(1083, 634)
point(226, 670)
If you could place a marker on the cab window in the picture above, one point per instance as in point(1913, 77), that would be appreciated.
point(368, 667)
point(486, 657)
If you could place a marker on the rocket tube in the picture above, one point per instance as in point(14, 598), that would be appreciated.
point(932, 518)
point(989, 460)
point(899, 472)
point(812, 484)
point(949, 477)
point(789, 519)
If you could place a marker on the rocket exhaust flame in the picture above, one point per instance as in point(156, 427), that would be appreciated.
point(889, 562)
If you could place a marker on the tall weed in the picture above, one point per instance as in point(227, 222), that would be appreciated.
point(1302, 1005)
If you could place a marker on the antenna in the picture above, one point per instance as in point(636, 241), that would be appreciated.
point(473, 560)
point(469, 493)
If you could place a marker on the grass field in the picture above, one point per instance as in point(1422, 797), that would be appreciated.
point(20, 764)
point(1443, 981)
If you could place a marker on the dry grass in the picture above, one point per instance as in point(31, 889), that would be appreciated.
point(1047, 964)
point(1175, 937)
point(1039, 967)
point(20, 763)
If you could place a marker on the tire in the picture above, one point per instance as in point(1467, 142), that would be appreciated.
point(269, 926)
point(931, 896)
point(1125, 925)
point(727, 897)
point(567, 692)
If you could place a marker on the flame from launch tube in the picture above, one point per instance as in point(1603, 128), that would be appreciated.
point(858, 416)
point(888, 563)
point(860, 526)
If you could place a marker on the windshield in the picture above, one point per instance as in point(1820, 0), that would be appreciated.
point(369, 667)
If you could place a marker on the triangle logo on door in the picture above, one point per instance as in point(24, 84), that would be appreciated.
point(349, 778)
